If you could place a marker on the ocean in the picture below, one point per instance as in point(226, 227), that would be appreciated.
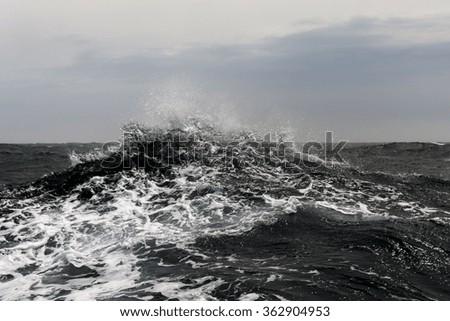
point(196, 220)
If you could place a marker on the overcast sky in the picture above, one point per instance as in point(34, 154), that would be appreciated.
point(367, 70)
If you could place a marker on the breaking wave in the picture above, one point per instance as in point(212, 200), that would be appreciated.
point(148, 218)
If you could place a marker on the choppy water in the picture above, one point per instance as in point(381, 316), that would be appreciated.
point(225, 226)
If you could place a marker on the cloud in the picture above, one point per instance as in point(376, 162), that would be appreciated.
point(351, 77)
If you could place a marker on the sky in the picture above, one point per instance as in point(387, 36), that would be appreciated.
point(367, 70)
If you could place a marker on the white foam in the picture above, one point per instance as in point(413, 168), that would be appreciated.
point(249, 297)
point(103, 238)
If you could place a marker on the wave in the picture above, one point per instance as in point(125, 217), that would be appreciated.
point(85, 233)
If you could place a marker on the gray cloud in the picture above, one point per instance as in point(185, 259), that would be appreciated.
point(350, 78)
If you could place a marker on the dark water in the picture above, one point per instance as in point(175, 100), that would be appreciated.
point(222, 229)
point(22, 163)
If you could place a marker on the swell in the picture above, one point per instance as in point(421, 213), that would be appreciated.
point(195, 213)
point(311, 256)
